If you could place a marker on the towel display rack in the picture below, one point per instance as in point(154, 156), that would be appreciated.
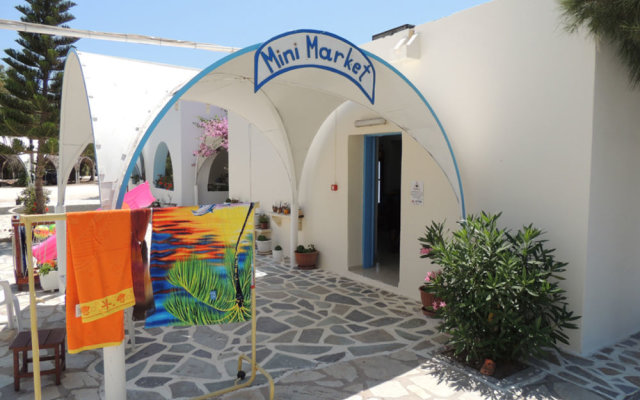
point(117, 362)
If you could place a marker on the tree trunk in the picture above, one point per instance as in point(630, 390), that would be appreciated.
point(40, 200)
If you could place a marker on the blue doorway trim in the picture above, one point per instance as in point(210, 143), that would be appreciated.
point(368, 201)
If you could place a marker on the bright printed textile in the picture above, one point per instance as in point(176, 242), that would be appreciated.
point(99, 285)
point(140, 274)
point(202, 265)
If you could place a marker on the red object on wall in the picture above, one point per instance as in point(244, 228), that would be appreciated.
point(334, 187)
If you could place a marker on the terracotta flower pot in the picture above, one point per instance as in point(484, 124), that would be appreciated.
point(427, 302)
point(307, 260)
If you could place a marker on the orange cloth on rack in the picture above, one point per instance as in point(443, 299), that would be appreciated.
point(99, 285)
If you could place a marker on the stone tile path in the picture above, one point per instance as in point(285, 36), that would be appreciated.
point(320, 336)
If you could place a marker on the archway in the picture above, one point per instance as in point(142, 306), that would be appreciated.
point(212, 179)
point(163, 168)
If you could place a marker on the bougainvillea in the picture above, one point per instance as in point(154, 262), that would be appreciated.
point(215, 136)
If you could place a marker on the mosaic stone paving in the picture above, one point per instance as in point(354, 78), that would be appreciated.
point(312, 324)
point(306, 319)
point(613, 372)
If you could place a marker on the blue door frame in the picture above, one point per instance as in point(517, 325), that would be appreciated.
point(369, 198)
point(368, 201)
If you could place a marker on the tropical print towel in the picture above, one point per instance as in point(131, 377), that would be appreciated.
point(99, 285)
point(201, 265)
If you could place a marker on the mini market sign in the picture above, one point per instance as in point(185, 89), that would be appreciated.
point(314, 49)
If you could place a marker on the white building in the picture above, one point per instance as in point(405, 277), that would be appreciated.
point(495, 108)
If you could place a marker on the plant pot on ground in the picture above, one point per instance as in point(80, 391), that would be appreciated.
point(306, 257)
point(264, 244)
point(277, 253)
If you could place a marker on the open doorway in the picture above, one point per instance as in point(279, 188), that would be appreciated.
point(381, 208)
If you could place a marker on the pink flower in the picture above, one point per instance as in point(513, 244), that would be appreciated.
point(430, 275)
point(437, 304)
point(425, 251)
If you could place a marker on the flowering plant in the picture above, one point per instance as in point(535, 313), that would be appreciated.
point(499, 293)
point(215, 135)
point(47, 267)
point(27, 197)
point(164, 182)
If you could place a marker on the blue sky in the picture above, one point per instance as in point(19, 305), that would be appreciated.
point(237, 23)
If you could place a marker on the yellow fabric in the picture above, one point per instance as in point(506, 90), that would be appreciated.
point(96, 309)
point(98, 270)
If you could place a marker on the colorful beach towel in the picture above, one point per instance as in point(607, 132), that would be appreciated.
point(202, 265)
point(141, 277)
point(99, 285)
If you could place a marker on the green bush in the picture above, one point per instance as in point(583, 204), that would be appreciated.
point(501, 299)
point(262, 238)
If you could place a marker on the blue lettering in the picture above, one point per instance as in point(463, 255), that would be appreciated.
point(366, 71)
point(286, 55)
point(337, 55)
point(356, 68)
point(296, 50)
point(270, 57)
point(280, 58)
point(325, 53)
point(312, 45)
point(348, 60)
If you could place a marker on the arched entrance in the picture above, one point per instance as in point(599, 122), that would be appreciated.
point(294, 103)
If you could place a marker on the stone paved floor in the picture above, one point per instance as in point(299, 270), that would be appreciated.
point(321, 337)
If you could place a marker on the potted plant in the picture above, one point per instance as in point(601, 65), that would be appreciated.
point(286, 210)
point(501, 300)
point(263, 221)
point(48, 272)
point(277, 253)
point(306, 257)
point(264, 244)
point(430, 303)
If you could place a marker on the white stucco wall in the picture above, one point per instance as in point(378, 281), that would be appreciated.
point(178, 131)
point(514, 92)
point(613, 256)
point(256, 173)
point(333, 219)
point(165, 132)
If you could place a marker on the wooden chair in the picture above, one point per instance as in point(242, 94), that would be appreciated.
point(47, 339)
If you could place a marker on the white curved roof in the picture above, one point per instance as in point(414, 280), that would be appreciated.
point(109, 100)
point(126, 99)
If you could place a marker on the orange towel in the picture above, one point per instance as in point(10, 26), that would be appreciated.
point(99, 285)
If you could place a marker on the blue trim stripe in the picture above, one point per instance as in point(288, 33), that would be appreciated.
point(166, 108)
point(249, 49)
point(444, 133)
point(368, 200)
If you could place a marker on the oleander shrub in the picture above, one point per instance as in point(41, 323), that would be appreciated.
point(499, 289)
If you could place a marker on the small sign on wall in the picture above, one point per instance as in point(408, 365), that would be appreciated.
point(417, 193)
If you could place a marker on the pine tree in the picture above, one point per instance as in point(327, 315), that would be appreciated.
point(30, 107)
point(615, 20)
